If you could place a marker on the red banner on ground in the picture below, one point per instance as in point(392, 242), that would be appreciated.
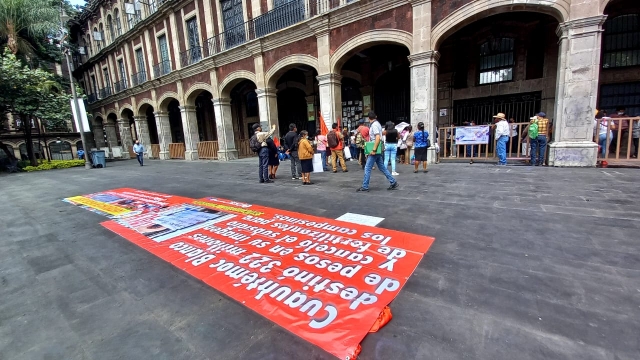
point(324, 280)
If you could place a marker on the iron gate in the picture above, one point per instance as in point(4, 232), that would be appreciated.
point(481, 110)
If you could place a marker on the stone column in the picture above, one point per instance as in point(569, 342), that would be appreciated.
point(142, 128)
point(330, 87)
point(268, 107)
point(110, 131)
point(190, 128)
point(125, 137)
point(98, 136)
point(224, 124)
point(576, 92)
point(424, 89)
point(164, 133)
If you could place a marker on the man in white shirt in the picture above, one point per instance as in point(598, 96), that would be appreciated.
point(502, 136)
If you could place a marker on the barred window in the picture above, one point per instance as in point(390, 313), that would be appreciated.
point(497, 60)
point(621, 41)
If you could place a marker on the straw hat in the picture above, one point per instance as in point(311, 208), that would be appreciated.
point(500, 116)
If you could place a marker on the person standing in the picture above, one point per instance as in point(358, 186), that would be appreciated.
point(305, 152)
point(390, 146)
point(336, 144)
point(139, 150)
point(258, 143)
point(514, 136)
point(421, 146)
point(605, 132)
point(362, 135)
point(274, 161)
point(539, 143)
point(502, 137)
point(375, 136)
point(291, 147)
point(321, 144)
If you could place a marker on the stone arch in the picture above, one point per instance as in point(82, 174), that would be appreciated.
point(368, 39)
point(292, 84)
point(61, 139)
point(281, 66)
point(352, 75)
point(195, 90)
point(143, 104)
point(126, 107)
point(233, 79)
point(112, 111)
point(97, 115)
point(479, 9)
point(11, 143)
point(165, 99)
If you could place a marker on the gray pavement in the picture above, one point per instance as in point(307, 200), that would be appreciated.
point(528, 263)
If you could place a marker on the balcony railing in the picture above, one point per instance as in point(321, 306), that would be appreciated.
point(162, 68)
point(276, 19)
point(138, 78)
point(279, 18)
point(120, 85)
point(91, 98)
point(104, 92)
point(191, 56)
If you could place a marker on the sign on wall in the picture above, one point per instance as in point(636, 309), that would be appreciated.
point(324, 280)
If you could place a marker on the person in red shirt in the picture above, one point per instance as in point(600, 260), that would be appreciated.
point(336, 151)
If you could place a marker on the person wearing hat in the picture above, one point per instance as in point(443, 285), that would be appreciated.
point(539, 144)
point(263, 154)
point(375, 136)
point(502, 137)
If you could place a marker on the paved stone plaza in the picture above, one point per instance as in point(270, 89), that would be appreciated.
point(528, 263)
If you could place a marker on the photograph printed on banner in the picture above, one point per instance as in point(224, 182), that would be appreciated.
point(173, 221)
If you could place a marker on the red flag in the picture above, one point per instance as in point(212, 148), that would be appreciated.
point(276, 141)
point(323, 126)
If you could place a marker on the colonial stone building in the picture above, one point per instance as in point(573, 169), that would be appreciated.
point(189, 77)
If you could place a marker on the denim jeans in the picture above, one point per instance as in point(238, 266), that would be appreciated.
point(379, 162)
point(323, 154)
point(139, 156)
point(538, 148)
point(473, 148)
point(501, 148)
point(602, 141)
point(390, 152)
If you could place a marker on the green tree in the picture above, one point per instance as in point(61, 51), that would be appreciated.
point(26, 23)
point(31, 94)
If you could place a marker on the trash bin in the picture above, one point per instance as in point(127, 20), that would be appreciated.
point(99, 159)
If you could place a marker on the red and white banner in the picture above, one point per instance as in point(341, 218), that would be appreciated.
point(324, 280)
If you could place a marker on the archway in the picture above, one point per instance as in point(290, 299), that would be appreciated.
point(38, 151)
point(244, 109)
point(97, 127)
point(112, 130)
point(503, 63)
point(207, 129)
point(175, 121)
point(60, 150)
point(297, 99)
point(127, 115)
point(376, 78)
point(619, 80)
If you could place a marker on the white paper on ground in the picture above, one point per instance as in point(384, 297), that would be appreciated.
point(361, 219)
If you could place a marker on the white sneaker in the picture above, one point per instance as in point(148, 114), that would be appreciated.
point(395, 173)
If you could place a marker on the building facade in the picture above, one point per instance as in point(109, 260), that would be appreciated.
point(190, 77)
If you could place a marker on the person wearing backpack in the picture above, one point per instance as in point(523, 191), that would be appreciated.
point(336, 144)
point(291, 141)
point(258, 144)
point(538, 132)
